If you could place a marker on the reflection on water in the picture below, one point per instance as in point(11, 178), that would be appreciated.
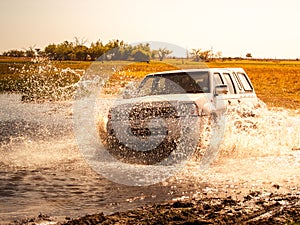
point(42, 169)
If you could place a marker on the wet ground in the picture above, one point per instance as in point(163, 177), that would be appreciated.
point(255, 208)
point(44, 176)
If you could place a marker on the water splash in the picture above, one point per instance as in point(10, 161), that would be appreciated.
point(259, 152)
point(41, 80)
point(260, 132)
point(255, 154)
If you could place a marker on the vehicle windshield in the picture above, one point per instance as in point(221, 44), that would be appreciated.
point(175, 83)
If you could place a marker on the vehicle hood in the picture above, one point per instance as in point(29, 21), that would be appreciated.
point(170, 97)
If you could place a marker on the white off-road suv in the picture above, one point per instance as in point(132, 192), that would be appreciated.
point(145, 126)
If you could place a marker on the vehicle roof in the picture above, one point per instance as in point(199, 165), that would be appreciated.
point(237, 69)
point(195, 70)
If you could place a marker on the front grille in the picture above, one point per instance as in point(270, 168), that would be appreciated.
point(150, 110)
point(138, 113)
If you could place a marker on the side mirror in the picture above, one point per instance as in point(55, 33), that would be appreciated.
point(127, 94)
point(221, 89)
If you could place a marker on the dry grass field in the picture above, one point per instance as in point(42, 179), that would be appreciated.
point(277, 83)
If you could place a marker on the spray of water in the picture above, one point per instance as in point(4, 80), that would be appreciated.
point(41, 80)
point(260, 132)
point(259, 151)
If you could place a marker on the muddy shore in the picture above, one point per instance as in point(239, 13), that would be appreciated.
point(255, 208)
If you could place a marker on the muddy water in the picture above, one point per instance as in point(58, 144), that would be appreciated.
point(43, 171)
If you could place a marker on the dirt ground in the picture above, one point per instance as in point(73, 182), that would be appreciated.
point(254, 208)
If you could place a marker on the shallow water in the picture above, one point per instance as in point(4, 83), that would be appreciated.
point(43, 171)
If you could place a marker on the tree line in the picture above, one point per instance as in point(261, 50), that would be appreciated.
point(112, 50)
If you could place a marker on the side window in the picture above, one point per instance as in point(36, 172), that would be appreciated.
point(218, 79)
point(238, 81)
point(245, 82)
point(230, 83)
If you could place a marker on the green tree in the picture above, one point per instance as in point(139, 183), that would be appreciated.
point(206, 55)
point(79, 52)
point(96, 50)
point(163, 53)
point(30, 52)
point(154, 54)
point(249, 55)
point(112, 50)
point(196, 54)
point(125, 52)
point(141, 52)
point(64, 50)
point(14, 53)
point(50, 51)
point(140, 55)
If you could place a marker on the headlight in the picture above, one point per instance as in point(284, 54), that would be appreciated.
point(193, 109)
point(188, 109)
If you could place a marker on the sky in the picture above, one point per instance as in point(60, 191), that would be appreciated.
point(264, 28)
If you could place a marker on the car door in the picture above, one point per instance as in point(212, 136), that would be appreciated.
point(220, 101)
point(232, 96)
